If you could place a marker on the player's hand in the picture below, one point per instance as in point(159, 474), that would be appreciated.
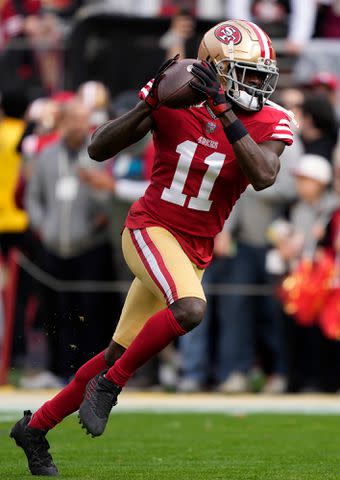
point(223, 244)
point(206, 81)
point(149, 93)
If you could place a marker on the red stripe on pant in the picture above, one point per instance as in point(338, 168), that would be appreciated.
point(170, 296)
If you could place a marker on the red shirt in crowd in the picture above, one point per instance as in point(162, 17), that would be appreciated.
point(12, 17)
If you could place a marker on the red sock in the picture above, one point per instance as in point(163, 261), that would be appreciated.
point(156, 334)
point(69, 398)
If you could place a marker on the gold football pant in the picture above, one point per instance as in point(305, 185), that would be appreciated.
point(164, 274)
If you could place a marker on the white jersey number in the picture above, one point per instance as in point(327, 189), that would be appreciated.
point(175, 194)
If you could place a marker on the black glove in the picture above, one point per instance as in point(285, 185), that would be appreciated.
point(149, 93)
point(207, 82)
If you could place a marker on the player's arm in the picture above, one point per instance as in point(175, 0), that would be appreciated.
point(115, 135)
point(260, 163)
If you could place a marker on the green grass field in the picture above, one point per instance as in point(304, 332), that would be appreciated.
point(190, 447)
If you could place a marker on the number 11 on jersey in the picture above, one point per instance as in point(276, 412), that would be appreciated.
point(175, 194)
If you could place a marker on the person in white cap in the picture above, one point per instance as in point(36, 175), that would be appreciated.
point(307, 224)
point(314, 167)
point(311, 212)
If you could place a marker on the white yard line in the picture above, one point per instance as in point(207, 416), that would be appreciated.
point(13, 401)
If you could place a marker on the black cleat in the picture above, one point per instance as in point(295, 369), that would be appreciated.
point(100, 396)
point(35, 446)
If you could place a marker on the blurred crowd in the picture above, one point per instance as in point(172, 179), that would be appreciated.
point(273, 287)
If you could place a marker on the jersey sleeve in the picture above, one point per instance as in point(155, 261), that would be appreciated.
point(274, 125)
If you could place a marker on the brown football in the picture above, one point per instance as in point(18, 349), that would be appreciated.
point(174, 89)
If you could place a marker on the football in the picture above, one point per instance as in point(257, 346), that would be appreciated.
point(174, 89)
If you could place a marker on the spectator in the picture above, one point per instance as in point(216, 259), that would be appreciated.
point(308, 218)
point(182, 27)
point(198, 366)
point(13, 17)
point(329, 321)
point(321, 17)
point(297, 18)
point(150, 8)
point(42, 129)
point(326, 83)
point(96, 96)
point(319, 127)
point(63, 8)
point(292, 99)
point(329, 21)
point(142, 8)
point(13, 220)
point(24, 24)
point(315, 203)
point(304, 18)
point(70, 218)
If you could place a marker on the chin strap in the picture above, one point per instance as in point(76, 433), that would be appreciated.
point(249, 102)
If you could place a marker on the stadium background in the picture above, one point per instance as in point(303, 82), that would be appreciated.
point(49, 51)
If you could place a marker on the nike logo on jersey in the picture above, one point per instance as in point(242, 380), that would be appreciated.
point(207, 142)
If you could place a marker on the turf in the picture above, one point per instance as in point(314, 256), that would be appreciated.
point(190, 447)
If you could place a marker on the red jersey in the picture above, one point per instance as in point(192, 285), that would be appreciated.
point(12, 20)
point(196, 178)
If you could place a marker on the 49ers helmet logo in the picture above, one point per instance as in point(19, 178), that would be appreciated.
point(228, 33)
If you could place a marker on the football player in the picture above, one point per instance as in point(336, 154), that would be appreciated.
point(206, 156)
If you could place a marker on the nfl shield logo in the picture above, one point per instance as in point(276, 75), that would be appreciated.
point(210, 127)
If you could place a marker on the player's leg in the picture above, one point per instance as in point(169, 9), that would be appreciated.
point(69, 398)
point(29, 433)
point(157, 259)
point(139, 306)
